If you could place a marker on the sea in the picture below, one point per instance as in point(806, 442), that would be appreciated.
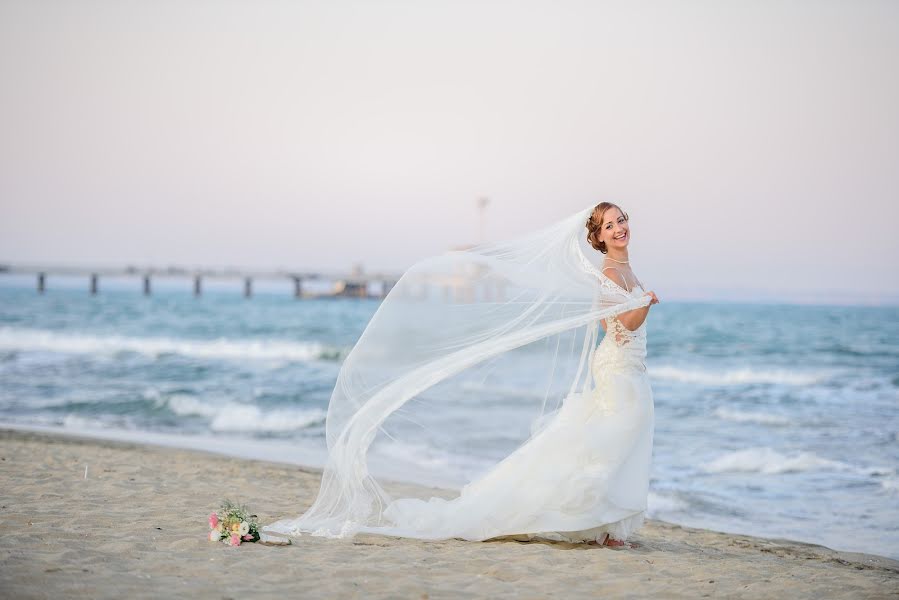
point(773, 420)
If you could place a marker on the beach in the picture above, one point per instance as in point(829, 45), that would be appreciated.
point(793, 436)
point(87, 518)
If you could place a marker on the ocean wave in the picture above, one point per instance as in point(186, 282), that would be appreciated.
point(658, 504)
point(184, 405)
point(78, 422)
point(236, 417)
point(13, 339)
point(759, 418)
point(876, 471)
point(249, 418)
point(769, 461)
point(419, 454)
point(736, 376)
point(449, 468)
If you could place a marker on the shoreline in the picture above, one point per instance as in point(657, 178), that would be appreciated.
point(269, 451)
point(135, 526)
point(281, 453)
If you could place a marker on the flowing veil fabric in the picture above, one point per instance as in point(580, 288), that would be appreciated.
point(431, 372)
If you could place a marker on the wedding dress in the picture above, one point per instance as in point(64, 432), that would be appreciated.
point(583, 471)
point(584, 474)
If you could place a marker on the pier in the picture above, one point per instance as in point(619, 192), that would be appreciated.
point(347, 285)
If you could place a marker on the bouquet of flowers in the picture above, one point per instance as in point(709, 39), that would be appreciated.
point(233, 524)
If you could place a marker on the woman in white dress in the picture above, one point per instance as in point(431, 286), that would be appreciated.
point(624, 442)
point(583, 474)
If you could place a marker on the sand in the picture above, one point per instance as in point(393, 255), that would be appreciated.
point(135, 527)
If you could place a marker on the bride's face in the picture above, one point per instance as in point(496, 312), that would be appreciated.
point(614, 230)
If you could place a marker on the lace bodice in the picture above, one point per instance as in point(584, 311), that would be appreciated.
point(621, 349)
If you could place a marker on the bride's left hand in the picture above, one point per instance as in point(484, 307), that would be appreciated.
point(655, 299)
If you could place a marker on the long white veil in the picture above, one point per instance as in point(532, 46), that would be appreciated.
point(466, 357)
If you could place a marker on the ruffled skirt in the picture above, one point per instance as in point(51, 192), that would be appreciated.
point(584, 473)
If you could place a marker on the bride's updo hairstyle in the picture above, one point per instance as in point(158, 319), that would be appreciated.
point(595, 222)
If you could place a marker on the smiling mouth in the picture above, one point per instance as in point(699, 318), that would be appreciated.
point(622, 236)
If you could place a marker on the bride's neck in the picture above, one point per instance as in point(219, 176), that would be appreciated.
point(618, 256)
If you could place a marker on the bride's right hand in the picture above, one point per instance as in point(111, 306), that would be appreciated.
point(655, 299)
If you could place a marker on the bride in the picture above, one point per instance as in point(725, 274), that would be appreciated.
point(582, 474)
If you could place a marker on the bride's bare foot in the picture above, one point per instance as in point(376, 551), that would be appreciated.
point(608, 540)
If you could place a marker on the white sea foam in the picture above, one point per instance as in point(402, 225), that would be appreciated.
point(233, 416)
point(182, 404)
point(736, 376)
point(222, 348)
point(769, 461)
point(658, 504)
point(251, 418)
point(78, 422)
point(760, 418)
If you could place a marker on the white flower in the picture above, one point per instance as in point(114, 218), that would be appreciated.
point(244, 528)
point(215, 535)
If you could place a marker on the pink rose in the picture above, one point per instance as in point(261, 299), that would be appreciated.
point(235, 540)
point(213, 520)
point(248, 537)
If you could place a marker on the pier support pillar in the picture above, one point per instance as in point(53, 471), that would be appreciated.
point(94, 278)
point(248, 287)
point(198, 285)
point(40, 283)
point(146, 285)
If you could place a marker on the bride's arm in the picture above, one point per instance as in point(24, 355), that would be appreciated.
point(632, 319)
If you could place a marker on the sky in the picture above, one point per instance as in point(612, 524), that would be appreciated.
point(754, 145)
